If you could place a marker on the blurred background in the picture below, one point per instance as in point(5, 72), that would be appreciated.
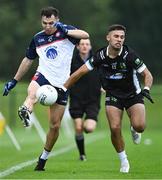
point(20, 20)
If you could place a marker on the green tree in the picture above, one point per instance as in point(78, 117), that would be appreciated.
point(144, 26)
point(20, 20)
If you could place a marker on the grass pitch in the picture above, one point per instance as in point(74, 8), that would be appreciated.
point(103, 163)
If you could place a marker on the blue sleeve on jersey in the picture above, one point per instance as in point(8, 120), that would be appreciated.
point(31, 50)
point(73, 40)
point(70, 27)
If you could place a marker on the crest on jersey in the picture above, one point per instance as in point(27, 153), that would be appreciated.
point(50, 38)
point(114, 65)
point(51, 52)
point(137, 61)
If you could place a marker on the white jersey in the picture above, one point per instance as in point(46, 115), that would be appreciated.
point(55, 54)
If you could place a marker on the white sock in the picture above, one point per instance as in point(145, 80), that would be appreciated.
point(44, 155)
point(122, 156)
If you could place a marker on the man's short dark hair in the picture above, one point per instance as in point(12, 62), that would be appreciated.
point(83, 39)
point(116, 27)
point(49, 11)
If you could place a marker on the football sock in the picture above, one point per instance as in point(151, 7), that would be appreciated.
point(122, 156)
point(80, 143)
point(44, 155)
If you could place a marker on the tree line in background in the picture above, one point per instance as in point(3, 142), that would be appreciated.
point(20, 20)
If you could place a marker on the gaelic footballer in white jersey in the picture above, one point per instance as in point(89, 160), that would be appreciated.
point(55, 53)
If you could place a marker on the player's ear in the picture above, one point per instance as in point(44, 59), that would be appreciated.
point(108, 37)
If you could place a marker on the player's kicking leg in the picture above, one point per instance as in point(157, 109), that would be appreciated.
point(24, 115)
point(26, 109)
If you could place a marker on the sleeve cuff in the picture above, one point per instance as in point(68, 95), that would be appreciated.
point(142, 68)
point(89, 66)
point(147, 88)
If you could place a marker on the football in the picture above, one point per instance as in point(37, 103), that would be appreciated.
point(46, 95)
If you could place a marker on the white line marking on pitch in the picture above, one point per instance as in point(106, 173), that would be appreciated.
point(20, 166)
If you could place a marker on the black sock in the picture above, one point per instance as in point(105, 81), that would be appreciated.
point(80, 143)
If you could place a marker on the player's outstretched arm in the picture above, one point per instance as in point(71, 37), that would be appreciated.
point(148, 79)
point(23, 68)
point(77, 33)
point(76, 76)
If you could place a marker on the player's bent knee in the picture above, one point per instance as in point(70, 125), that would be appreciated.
point(115, 128)
point(89, 129)
point(139, 128)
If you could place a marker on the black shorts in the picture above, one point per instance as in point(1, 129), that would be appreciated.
point(62, 96)
point(123, 103)
point(79, 108)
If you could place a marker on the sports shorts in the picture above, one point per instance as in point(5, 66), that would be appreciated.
point(62, 96)
point(79, 108)
point(122, 103)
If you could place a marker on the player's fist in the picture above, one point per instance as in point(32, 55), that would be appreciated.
point(8, 86)
point(61, 27)
point(146, 93)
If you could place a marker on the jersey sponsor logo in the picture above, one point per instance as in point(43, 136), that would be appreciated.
point(51, 52)
point(116, 76)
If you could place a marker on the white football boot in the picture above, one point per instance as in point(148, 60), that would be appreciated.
point(125, 167)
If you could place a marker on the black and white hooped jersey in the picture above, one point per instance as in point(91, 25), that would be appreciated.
point(118, 75)
point(55, 53)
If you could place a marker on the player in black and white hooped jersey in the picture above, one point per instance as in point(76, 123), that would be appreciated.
point(118, 66)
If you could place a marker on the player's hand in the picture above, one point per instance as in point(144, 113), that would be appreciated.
point(61, 27)
point(146, 93)
point(8, 86)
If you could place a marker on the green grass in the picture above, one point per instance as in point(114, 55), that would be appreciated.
point(102, 163)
